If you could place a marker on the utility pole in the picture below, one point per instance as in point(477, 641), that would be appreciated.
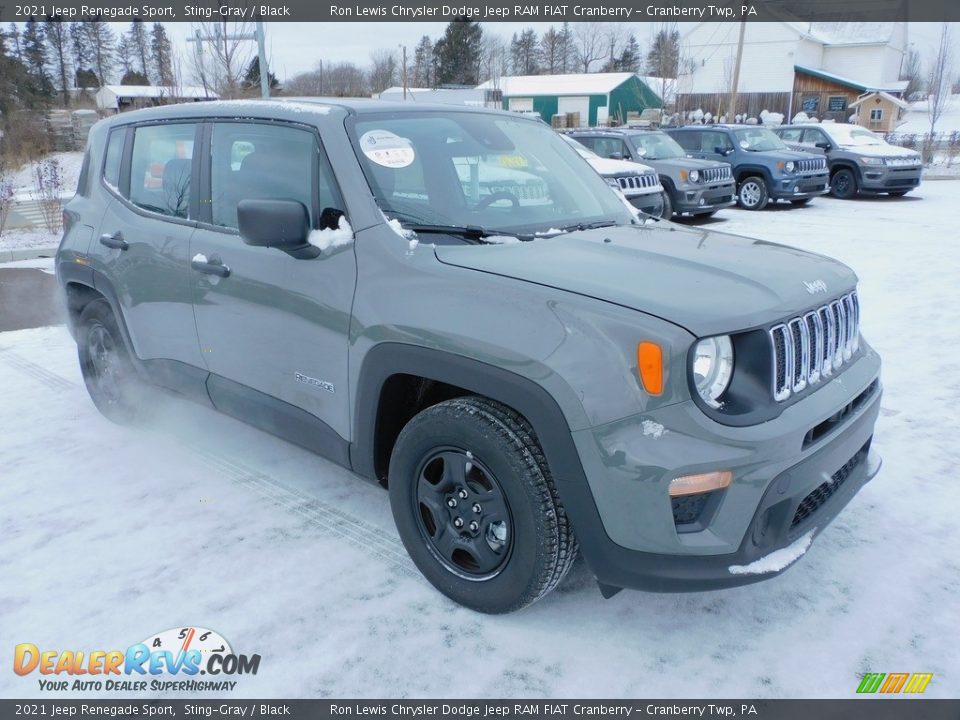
point(403, 71)
point(731, 113)
point(199, 39)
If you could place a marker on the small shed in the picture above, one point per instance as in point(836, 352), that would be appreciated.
point(880, 111)
point(118, 98)
point(593, 98)
point(829, 96)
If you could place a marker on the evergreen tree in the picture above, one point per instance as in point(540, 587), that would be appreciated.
point(140, 47)
point(35, 58)
point(565, 49)
point(57, 34)
point(161, 55)
point(134, 77)
point(629, 60)
point(550, 51)
point(251, 79)
point(525, 53)
point(663, 59)
point(458, 53)
point(423, 64)
point(15, 47)
point(101, 41)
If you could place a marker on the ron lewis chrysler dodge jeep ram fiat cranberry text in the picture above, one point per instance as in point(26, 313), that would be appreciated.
point(449, 302)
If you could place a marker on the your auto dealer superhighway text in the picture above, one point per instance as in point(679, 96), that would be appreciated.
point(546, 710)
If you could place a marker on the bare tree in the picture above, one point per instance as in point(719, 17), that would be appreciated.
point(912, 73)
point(588, 45)
point(220, 55)
point(383, 70)
point(614, 36)
point(494, 59)
point(939, 77)
point(101, 41)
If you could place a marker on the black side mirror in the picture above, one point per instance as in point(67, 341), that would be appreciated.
point(824, 145)
point(722, 150)
point(281, 224)
point(616, 156)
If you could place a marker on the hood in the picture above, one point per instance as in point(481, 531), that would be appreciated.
point(805, 148)
point(784, 155)
point(883, 150)
point(606, 166)
point(685, 163)
point(706, 282)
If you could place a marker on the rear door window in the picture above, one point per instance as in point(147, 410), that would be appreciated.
point(791, 134)
point(689, 141)
point(161, 168)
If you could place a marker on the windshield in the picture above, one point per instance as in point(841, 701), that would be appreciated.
point(582, 150)
point(852, 135)
point(479, 170)
point(657, 146)
point(759, 139)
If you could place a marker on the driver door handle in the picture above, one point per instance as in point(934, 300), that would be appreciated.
point(114, 241)
point(213, 266)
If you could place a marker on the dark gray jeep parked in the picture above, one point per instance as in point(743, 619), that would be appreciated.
point(691, 186)
point(532, 371)
point(764, 167)
point(860, 161)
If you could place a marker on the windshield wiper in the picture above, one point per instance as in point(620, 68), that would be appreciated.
point(468, 232)
point(589, 226)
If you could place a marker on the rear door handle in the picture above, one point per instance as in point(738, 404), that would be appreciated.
point(213, 266)
point(114, 241)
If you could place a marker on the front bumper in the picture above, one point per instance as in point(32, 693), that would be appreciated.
point(697, 199)
point(887, 179)
point(777, 496)
point(650, 203)
point(800, 187)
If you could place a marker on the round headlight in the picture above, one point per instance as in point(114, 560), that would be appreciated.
point(713, 368)
point(789, 167)
point(694, 176)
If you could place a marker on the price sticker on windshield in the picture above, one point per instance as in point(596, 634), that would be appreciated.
point(387, 149)
point(512, 161)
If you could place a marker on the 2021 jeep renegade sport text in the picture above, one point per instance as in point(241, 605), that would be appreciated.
point(532, 376)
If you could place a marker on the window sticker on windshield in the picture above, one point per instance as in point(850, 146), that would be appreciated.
point(744, 144)
point(387, 149)
point(512, 161)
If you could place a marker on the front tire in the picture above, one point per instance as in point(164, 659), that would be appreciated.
point(667, 211)
point(476, 506)
point(843, 184)
point(107, 370)
point(752, 193)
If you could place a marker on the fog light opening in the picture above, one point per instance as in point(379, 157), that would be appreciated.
point(701, 483)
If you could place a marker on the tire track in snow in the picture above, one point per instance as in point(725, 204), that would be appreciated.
point(368, 538)
point(36, 371)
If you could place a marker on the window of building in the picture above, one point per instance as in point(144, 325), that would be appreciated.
point(876, 114)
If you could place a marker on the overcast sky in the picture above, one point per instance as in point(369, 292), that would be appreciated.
point(295, 47)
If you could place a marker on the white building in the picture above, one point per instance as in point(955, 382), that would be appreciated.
point(117, 98)
point(778, 57)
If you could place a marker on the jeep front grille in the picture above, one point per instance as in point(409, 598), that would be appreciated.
point(813, 165)
point(717, 174)
point(810, 347)
point(638, 182)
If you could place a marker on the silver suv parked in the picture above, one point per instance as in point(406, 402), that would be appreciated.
point(532, 378)
point(860, 161)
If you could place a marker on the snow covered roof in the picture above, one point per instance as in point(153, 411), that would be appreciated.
point(886, 96)
point(846, 33)
point(577, 84)
point(156, 91)
point(890, 86)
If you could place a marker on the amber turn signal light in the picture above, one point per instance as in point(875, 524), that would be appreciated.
point(650, 366)
point(696, 484)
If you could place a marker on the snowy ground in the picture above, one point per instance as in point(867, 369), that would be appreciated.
point(28, 240)
point(70, 164)
point(110, 535)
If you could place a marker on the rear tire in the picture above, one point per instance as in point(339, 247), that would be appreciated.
point(107, 370)
point(476, 506)
point(843, 184)
point(752, 193)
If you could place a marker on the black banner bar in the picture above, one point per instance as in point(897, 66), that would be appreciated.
point(486, 10)
point(857, 709)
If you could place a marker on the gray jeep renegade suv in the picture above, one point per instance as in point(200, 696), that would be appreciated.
point(532, 377)
point(691, 186)
point(763, 166)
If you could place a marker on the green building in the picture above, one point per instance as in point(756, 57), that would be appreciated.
point(599, 98)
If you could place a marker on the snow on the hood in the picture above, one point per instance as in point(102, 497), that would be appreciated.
point(500, 239)
point(330, 238)
point(777, 560)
